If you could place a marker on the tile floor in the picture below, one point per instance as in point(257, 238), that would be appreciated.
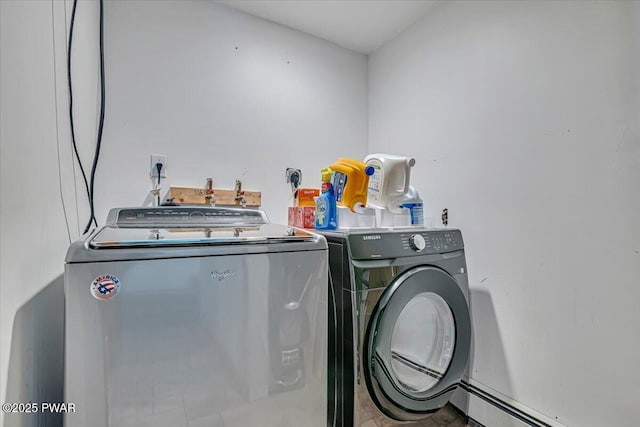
point(446, 417)
point(370, 415)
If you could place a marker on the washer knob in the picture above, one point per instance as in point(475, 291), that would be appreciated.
point(417, 242)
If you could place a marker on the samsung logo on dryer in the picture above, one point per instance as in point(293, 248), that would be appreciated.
point(372, 237)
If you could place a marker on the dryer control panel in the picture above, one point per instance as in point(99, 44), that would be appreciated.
point(395, 244)
point(432, 242)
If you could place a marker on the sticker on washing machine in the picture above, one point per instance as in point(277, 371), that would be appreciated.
point(105, 287)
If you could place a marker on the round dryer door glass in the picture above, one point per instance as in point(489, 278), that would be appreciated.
point(422, 342)
point(417, 343)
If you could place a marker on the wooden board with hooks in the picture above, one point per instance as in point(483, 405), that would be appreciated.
point(198, 196)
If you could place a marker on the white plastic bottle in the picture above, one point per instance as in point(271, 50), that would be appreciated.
point(390, 180)
point(413, 203)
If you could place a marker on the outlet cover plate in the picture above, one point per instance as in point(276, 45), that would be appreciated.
point(159, 158)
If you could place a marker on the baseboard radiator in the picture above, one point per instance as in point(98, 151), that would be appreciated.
point(489, 408)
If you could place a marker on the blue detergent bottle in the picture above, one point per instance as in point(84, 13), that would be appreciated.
point(326, 211)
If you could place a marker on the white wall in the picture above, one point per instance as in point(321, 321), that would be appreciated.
point(525, 123)
point(33, 234)
point(176, 85)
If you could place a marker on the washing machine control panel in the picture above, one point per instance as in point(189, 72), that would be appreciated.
point(186, 216)
point(394, 244)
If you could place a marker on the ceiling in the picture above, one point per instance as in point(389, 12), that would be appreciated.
point(359, 25)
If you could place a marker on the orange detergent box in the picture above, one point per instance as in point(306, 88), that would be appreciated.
point(302, 216)
point(304, 196)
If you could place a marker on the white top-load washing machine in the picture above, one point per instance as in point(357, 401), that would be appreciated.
point(194, 316)
point(400, 343)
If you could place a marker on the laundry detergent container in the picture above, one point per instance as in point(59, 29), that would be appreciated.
point(350, 182)
point(390, 180)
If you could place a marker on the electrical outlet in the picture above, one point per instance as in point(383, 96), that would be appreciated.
point(155, 159)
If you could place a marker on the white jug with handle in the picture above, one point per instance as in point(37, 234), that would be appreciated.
point(390, 180)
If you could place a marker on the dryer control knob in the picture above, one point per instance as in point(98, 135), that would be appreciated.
point(417, 242)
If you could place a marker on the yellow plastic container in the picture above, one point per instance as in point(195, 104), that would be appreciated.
point(351, 183)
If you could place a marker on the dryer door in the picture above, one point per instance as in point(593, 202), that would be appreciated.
point(417, 343)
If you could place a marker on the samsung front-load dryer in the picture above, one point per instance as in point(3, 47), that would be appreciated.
point(192, 316)
point(400, 341)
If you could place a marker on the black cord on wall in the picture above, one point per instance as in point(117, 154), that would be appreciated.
point(73, 133)
point(89, 186)
point(101, 123)
point(159, 169)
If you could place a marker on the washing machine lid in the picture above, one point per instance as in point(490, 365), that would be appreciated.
point(417, 343)
point(189, 226)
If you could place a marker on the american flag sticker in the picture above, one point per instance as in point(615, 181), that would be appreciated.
point(105, 287)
